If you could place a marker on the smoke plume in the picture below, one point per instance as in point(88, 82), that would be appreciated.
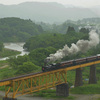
point(81, 45)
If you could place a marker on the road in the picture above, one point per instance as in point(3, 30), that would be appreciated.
point(76, 96)
point(25, 97)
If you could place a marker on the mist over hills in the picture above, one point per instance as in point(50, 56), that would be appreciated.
point(46, 12)
point(96, 9)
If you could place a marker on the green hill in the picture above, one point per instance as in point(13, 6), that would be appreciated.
point(17, 30)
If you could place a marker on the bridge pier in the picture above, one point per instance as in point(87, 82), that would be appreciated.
point(92, 77)
point(62, 90)
point(78, 78)
point(9, 98)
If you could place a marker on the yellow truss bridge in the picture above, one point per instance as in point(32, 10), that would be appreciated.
point(26, 84)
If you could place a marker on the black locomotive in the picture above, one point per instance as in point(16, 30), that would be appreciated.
point(54, 66)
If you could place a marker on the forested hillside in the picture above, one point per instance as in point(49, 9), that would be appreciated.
point(54, 40)
point(17, 30)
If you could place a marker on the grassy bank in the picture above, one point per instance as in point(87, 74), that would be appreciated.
point(8, 52)
point(6, 73)
point(3, 63)
point(51, 93)
point(87, 89)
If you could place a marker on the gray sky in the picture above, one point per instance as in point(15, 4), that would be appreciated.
point(83, 3)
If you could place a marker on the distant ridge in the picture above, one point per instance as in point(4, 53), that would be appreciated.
point(46, 12)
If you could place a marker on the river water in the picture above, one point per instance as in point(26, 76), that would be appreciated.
point(15, 46)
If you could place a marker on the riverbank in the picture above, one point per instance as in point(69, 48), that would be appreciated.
point(8, 53)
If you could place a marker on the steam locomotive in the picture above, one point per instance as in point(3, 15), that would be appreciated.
point(54, 66)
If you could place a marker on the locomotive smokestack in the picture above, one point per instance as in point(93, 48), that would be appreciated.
point(81, 45)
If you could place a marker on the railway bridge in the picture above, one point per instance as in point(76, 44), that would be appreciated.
point(34, 82)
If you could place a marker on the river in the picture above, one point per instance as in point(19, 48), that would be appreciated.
point(15, 46)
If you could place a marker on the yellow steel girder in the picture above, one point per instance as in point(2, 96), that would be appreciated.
point(36, 83)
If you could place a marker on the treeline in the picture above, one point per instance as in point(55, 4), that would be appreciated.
point(59, 28)
point(18, 30)
point(55, 40)
point(1, 46)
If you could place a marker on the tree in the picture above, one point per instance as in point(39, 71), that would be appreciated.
point(1, 46)
point(38, 55)
point(84, 30)
point(27, 67)
point(70, 29)
point(15, 62)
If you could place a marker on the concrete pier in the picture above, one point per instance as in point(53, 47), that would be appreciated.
point(92, 77)
point(9, 98)
point(78, 78)
point(62, 90)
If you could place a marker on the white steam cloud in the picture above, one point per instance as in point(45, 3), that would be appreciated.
point(81, 45)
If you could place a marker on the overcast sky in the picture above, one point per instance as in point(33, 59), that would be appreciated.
point(83, 3)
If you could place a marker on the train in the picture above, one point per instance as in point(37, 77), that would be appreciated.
point(64, 64)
